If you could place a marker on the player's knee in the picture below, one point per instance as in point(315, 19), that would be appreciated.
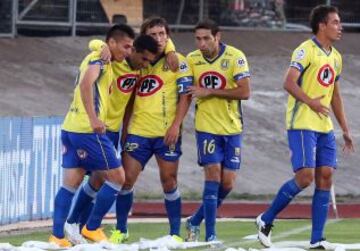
point(305, 180)
point(169, 183)
point(227, 185)
point(116, 176)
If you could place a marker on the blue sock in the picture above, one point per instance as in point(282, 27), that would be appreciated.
point(104, 200)
point(83, 201)
point(124, 203)
point(197, 218)
point(320, 207)
point(173, 209)
point(210, 198)
point(85, 214)
point(286, 193)
point(62, 207)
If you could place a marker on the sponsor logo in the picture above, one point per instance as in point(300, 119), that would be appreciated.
point(212, 80)
point(235, 159)
point(241, 62)
point(326, 75)
point(127, 82)
point(130, 146)
point(200, 63)
point(149, 85)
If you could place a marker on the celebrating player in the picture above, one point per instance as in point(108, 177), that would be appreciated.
point(222, 80)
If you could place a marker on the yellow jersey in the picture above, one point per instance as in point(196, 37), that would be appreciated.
point(319, 72)
point(121, 91)
point(77, 119)
point(213, 114)
point(156, 98)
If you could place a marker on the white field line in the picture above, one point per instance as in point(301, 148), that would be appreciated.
point(278, 236)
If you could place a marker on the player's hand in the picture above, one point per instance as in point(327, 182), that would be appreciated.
point(172, 135)
point(98, 126)
point(172, 61)
point(105, 53)
point(316, 106)
point(348, 146)
point(198, 92)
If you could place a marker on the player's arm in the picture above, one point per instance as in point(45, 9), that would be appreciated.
point(87, 97)
point(182, 108)
point(172, 59)
point(291, 86)
point(337, 106)
point(127, 116)
point(100, 47)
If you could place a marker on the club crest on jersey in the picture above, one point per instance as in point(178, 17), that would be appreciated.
point(149, 85)
point(212, 80)
point(224, 64)
point(183, 67)
point(326, 75)
point(82, 153)
point(126, 83)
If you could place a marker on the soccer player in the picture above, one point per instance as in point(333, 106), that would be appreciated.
point(312, 81)
point(159, 108)
point(222, 80)
point(126, 75)
point(85, 145)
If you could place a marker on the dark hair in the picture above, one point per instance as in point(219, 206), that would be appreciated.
point(154, 21)
point(119, 31)
point(146, 42)
point(320, 15)
point(208, 25)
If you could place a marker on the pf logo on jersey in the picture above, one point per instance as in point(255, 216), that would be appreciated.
point(326, 75)
point(149, 84)
point(212, 80)
point(126, 83)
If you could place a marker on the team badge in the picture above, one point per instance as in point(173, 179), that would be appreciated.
point(171, 151)
point(326, 75)
point(63, 150)
point(82, 153)
point(126, 83)
point(149, 85)
point(300, 54)
point(212, 80)
point(237, 151)
point(224, 64)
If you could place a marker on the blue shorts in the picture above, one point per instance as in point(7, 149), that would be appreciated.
point(90, 151)
point(312, 149)
point(219, 149)
point(114, 138)
point(142, 149)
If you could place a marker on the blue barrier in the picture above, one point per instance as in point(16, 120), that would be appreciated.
point(30, 167)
